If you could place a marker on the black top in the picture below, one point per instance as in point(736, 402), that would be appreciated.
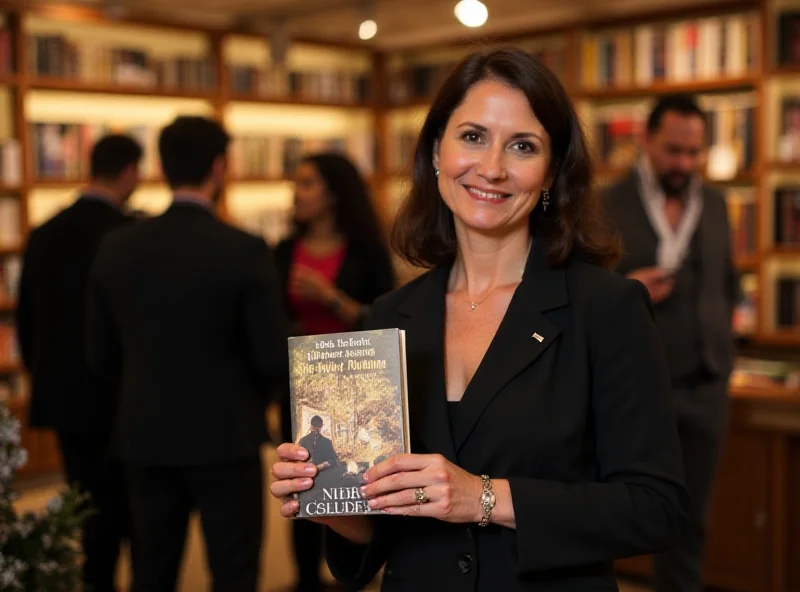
point(570, 404)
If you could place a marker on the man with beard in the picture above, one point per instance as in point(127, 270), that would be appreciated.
point(65, 396)
point(676, 241)
point(186, 312)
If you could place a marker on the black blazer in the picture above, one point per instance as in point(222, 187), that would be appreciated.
point(579, 423)
point(51, 319)
point(364, 276)
point(186, 311)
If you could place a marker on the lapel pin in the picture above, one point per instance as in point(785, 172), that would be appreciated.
point(538, 337)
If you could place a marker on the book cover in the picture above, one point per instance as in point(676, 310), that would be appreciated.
point(349, 410)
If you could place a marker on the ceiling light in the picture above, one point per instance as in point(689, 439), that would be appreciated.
point(367, 29)
point(471, 13)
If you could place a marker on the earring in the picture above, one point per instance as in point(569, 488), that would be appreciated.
point(545, 199)
point(436, 171)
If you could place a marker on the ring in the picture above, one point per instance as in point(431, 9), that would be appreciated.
point(422, 496)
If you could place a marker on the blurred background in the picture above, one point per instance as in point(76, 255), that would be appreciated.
point(287, 77)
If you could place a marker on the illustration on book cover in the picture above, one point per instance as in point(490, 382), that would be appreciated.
point(349, 410)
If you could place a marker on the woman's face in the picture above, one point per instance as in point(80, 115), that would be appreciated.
point(493, 159)
point(311, 198)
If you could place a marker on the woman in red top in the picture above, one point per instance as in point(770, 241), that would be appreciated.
point(334, 266)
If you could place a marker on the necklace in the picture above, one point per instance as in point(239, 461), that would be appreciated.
point(473, 304)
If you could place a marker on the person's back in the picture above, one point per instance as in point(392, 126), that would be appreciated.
point(51, 324)
point(186, 313)
point(51, 316)
point(195, 378)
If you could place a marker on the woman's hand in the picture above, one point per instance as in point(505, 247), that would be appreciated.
point(454, 494)
point(309, 284)
point(293, 475)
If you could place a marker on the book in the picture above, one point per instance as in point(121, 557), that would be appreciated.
point(349, 409)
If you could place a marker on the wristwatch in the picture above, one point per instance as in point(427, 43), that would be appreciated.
point(487, 500)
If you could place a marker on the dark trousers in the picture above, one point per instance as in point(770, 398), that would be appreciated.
point(230, 500)
point(88, 466)
point(701, 413)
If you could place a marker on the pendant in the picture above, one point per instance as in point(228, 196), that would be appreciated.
point(473, 305)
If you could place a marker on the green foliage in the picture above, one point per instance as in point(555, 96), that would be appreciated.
point(38, 552)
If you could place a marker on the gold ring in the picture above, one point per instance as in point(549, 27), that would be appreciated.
point(422, 496)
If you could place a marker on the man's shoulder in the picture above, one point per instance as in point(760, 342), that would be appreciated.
point(626, 187)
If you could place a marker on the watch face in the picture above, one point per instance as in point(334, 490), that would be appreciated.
point(487, 498)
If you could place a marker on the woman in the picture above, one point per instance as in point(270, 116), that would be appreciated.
point(333, 268)
point(542, 435)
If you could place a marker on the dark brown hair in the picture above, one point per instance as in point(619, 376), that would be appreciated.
point(573, 224)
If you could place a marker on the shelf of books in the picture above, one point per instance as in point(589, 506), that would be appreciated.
point(285, 104)
point(64, 82)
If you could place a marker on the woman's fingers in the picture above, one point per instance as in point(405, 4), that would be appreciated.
point(292, 452)
point(396, 482)
point(290, 508)
point(290, 470)
point(286, 487)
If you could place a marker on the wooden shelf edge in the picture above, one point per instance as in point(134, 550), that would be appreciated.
point(696, 86)
point(295, 101)
point(760, 392)
point(6, 251)
point(786, 70)
point(77, 86)
point(781, 251)
point(747, 262)
point(70, 183)
point(779, 338)
point(781, 166)
point(10, 367)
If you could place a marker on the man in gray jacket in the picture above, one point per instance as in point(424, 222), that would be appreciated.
point(676, 240)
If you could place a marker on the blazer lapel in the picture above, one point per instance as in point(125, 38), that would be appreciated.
point(523, 335)
point(425, 308)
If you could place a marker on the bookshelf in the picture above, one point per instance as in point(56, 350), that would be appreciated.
point(136, 76)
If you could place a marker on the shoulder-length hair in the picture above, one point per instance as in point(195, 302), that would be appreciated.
point(354, 212)
point(573, 224)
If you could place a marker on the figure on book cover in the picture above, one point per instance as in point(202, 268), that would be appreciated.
point(319, 447)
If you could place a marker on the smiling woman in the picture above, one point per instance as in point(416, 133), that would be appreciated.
point(543, 446)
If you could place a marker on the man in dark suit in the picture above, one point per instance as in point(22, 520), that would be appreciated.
point(676, 239)
point(186, 312)
point(65, 396)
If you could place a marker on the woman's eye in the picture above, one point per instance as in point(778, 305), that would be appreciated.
point(525, 147)
point(471, 137)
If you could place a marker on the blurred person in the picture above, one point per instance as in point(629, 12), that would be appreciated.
point(542, 445)
point(676, 238)
point(186, 314)
point(333, 267)
point(51, 321)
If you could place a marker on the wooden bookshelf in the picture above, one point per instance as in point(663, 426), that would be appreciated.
point(296, 102)
point(7, 367)
point(74, 183)
point(7, 306)
point(7, 251)
point(78, 86)
point(700, 86)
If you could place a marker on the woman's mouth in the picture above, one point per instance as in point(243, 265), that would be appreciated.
point(486, 195)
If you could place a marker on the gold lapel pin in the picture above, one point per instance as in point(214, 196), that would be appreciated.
point(538, 337)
